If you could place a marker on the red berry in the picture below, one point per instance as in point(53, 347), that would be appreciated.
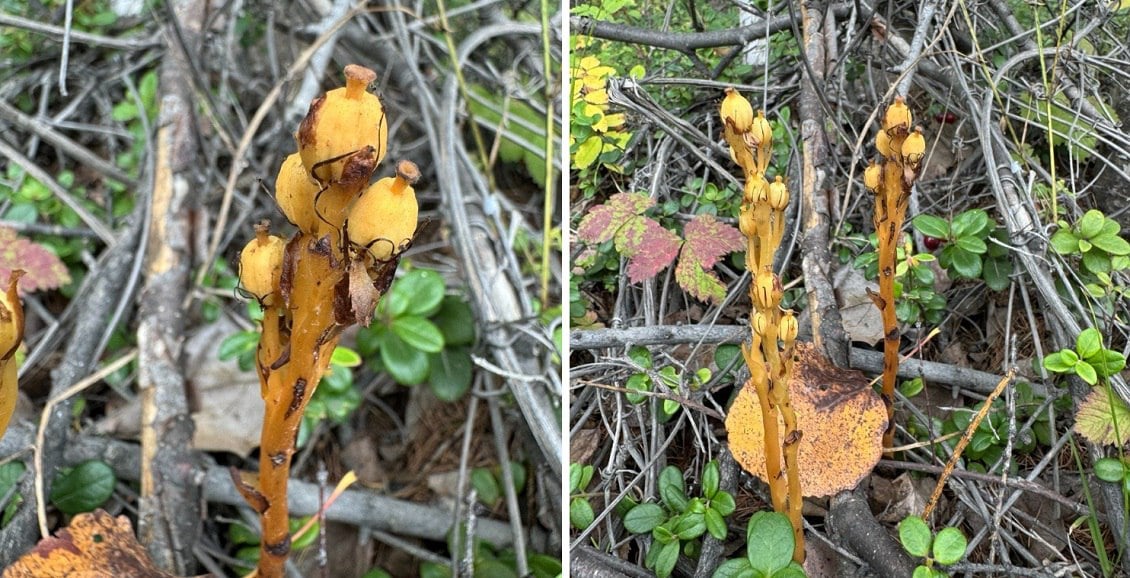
point(945, 117)
point(932, 243)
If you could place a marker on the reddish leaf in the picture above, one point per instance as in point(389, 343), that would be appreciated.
point(605, 221)
point(707, 239)
point(95, 544)
point(651, 251)
point(648, 246)
point(44, 269)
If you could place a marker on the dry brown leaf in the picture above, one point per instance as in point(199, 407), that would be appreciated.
point(901, 497)
point(862, 321)
point(95, 545)
point(841, 420)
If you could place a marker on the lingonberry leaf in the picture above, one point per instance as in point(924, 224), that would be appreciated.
point(707, 239)
point(43, 268)
point(648, 246)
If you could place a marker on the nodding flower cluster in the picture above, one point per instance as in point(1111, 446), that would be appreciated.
point(773, 331)
point(326, 277)
point(902, 151)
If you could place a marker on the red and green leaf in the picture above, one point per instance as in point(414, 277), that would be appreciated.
point(707, 239)
point(604, 222)
point(649, 247)
point(43, 268)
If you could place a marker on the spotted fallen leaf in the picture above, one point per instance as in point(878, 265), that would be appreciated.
point(840, 418)
point(95, 545)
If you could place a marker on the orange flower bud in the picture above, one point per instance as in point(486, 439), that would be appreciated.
point(778, 195)
point(898, 117)
point(872, 176)
point(260, 263)
point(737, 112)
point(341, 123)
point(384, 219)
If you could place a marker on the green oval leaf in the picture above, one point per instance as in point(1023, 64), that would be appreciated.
point(1086, 372)
point(640, 356)
point(644, 518)
point(394, 304)
point(964, 263)
point(932, 226)
point(665, 563)
point(996, 273)
point(306, 538)
point(406, 364)
point(84, 488)
point(1110, 470)
point(450, 374)
point(486, 486)
point(710, 479)
point(769, 542)
point(691, 525)
point(715, 524)
point(575, 478)
point(736, 568)
point(1107, 362)
point(236, 344)
point(1089, 342)
point(1091, 224)
point(671, 489)
point(723, 502)
point(972, 223)
point(345, 357)
point(580, 513)
point(1112, 244)
point(637, 382)
point(915, 536)
point(419, 333)
point(949, 546)
point(424, 289)
point(456, 321)
point(972, 244)
point(793, 570)
point(337, 380)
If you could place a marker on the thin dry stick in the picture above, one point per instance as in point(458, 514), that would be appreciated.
point(964, 441)
point(40, 503)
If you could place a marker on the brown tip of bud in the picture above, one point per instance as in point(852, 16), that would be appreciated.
point(408, 171)
point(357, 79)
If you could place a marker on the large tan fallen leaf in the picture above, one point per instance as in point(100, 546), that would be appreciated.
point(95, 545)
point(841, 420)
point(230, 408)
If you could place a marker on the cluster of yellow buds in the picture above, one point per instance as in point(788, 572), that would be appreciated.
point(773, 331)
point(327, 276)
point(902, 150)
point(11, 334)
point(324, 190)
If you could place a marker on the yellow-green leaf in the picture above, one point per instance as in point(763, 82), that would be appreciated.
point(1099, 414)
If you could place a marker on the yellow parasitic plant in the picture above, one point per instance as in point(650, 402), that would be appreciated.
point(891, 180)
point(327, 276)
point(11, 334)
point(773, 332)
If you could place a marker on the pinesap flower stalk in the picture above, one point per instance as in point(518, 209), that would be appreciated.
point(329, 275)
point(891, 180)
point(773, 332)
